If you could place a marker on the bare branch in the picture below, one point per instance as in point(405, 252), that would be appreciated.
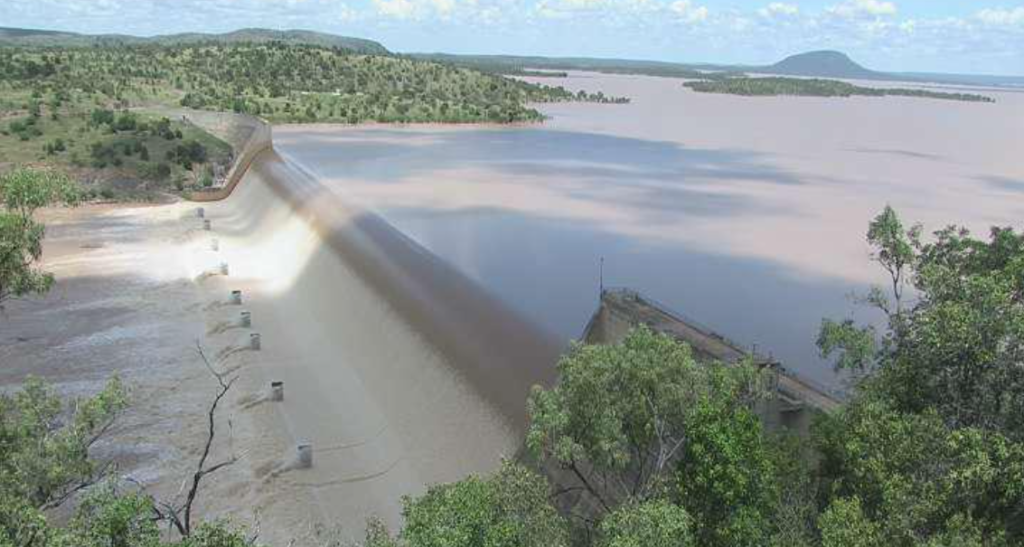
point(583, 479)
point(202, 471)
point(179, 516)
point(256, 531)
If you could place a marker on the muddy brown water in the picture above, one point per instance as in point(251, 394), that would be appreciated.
point(746, 214)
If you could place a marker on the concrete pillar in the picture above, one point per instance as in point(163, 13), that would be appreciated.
point(214, 244)
point(305, 454)
point(224, 268)
point(254, 341)
point(277, 391)
point(206, 225)
point(245, 319)
point(236, 297)
point(200, 212)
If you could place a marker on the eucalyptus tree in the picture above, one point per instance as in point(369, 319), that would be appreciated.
point(642, 421)
point(930, 450)
point(22, 193)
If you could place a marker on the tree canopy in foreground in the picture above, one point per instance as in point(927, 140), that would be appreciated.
point(22, 193)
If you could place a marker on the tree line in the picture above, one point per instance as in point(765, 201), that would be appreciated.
point(283, 82)
point(816, 87)
point(50, 98)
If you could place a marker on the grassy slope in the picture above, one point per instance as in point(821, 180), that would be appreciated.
point(69, 123)
point(279, 81)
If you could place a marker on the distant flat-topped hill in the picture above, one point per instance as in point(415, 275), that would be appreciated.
point(57, 38)
point(823, 64)
point(813, 64)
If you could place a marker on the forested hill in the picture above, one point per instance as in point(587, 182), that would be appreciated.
point(98, 110)
point(279, 81)
point(16, 36)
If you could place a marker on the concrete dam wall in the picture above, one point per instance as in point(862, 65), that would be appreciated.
point(259, 138)
point(399, 370)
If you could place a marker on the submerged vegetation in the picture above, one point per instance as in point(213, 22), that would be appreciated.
point(816, 87)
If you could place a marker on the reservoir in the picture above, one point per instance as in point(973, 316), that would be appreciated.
point(746, 215)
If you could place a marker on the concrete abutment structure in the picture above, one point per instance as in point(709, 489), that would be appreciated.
point(794, 399)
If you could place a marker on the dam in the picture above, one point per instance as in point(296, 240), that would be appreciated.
point(402, 371)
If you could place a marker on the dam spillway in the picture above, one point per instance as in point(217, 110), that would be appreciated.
point(401, 371)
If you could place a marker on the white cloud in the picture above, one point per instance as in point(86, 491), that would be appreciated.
point(636, 13)
point(860, 8)
point(1001, 17)
point(688, 12)
point(443, 6)
point(414, 9)
point(561, 9)
point(779, 9)
point(399, 9)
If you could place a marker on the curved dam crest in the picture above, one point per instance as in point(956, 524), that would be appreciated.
point(500, 353)
point(400, 370)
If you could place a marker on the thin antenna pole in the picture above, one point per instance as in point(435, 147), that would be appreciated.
point(602, 276)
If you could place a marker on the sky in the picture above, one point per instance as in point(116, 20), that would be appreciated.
point(961, 36)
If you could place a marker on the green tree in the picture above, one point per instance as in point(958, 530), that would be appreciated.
point(958, 348)
point(796, 484)
point(622, 416)
point(106, 518)
point(509, 509)
point(929, 451)
point(844, 525)
point(915, 479)
point(726, 475)
point(22, 193)
point(44, 443)
point(44, 460)
point(657, 523)
point(893, 249)
point(44, 455)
